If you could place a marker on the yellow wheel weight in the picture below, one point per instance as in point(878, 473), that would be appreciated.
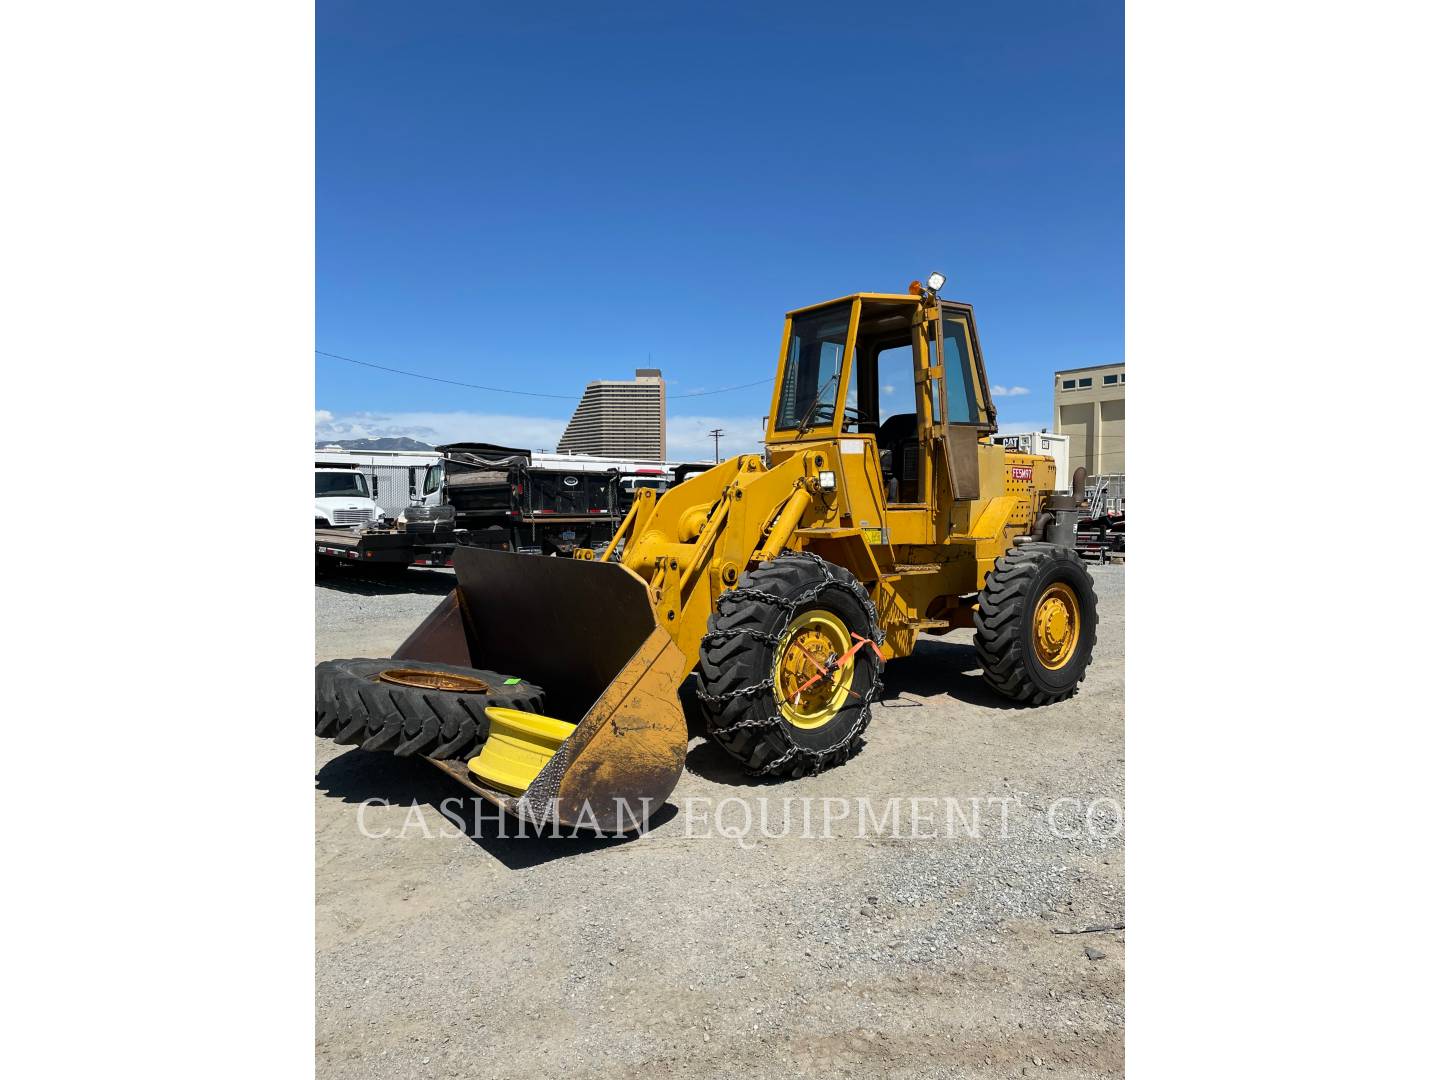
point(519, 746)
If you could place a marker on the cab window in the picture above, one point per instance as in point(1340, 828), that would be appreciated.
point(330, 484)
point(811, 381)
point(960, 372)
point(433, 477)
point(895, 374)
point(884, 365)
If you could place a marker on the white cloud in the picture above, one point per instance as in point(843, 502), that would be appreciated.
point(529, 432)
point(686, 437)
point(887, 389)
point(1009, 391)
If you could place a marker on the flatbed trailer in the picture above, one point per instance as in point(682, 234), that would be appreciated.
point(1101, 538)
point(434, 555)
point(393, 548)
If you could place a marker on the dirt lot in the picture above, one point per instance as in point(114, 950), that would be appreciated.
point(684, 952)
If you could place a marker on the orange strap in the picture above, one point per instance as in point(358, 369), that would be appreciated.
point(840, 661)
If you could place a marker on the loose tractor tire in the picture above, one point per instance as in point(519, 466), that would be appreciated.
point(408, 708)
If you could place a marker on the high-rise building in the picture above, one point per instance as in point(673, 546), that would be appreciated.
point(622, 418)
point(1090, 408)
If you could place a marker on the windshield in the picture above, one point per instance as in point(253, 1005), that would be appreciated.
point(812, 369)
point(332, 484)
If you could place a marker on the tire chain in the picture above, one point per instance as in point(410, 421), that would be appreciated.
point(815, 759)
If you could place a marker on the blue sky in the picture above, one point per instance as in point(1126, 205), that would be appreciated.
point(530, 197)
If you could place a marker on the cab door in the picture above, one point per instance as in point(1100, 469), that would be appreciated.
point(963, 409)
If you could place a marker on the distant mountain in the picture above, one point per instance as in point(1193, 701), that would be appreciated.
point(402, 443)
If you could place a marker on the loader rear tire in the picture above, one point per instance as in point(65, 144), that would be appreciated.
point(744, 650)
point(355, 707)
point(1024, 655)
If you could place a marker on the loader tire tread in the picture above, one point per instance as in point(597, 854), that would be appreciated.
point(354, 708)
point(1002, 634)
point(730, 662)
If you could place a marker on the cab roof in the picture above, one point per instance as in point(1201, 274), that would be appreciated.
point(892, 298)
point(899, 298)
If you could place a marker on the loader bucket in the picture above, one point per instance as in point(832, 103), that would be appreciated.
point(585, 631)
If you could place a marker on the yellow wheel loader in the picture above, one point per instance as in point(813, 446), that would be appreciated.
point(880, 510)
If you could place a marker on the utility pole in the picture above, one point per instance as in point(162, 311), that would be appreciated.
point(715, 433)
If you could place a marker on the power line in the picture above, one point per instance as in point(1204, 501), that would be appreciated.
point(725, 389)
point(450, 382)
point(502, 390)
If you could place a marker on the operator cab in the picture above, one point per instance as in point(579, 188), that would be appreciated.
point(891, 390)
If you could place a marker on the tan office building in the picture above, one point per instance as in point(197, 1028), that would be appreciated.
point(1090, 408)
point(621, 418)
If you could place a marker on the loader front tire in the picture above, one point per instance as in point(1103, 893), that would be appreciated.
point(1035, 627)
point(787, 620)
point(361, 703)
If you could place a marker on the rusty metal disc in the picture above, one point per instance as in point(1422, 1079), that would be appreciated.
point(435, 680)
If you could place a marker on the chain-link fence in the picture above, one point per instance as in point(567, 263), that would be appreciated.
point(393, 486)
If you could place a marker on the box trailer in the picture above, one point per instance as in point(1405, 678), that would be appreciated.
point(1047, 443)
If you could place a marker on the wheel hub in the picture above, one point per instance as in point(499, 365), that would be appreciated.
point(1055, 626)
point(811, 680)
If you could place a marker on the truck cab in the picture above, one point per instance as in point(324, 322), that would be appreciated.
point(432, 486)
point(654, 479)
point(343, 499)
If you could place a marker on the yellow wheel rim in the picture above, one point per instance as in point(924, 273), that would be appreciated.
point(1055, 626)
point(811, 645)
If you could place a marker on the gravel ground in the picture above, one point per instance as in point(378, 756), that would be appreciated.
point(689, 953)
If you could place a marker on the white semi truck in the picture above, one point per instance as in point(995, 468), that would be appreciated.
point(395, 476)
point(343, 498)
point(351, 527)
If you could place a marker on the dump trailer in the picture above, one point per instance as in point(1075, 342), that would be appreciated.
point(539, 504)
point(784, 581)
